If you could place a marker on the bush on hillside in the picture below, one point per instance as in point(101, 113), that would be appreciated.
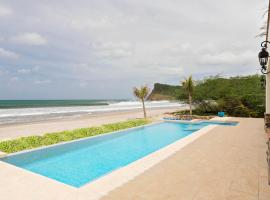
point(206, 108)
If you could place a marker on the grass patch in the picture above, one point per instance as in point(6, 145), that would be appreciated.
point(24, 143)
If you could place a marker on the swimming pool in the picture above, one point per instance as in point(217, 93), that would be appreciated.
point(80, 162)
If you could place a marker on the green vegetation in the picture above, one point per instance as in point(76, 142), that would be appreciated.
point(166, 92)
point(30, 142)
point(141, 94)
point(217, 87)
point(242, 96)
point(237, 96)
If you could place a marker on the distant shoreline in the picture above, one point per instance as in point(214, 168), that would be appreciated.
point(16, 104)
point(26, 104)
point(86, 116)
point(69, 109)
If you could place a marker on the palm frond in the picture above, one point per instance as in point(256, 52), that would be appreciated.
point(142, 92)
point(188, 85)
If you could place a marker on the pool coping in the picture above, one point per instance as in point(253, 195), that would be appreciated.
point(103, 185)
point(215, 119)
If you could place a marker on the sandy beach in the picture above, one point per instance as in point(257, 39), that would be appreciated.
point(40, 128)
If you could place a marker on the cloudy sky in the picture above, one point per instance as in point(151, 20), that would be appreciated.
point(68, 49)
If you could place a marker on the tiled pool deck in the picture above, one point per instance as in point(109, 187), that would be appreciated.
point(223, 163)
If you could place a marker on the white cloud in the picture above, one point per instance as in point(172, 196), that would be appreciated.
point(176, 49)
point(113, 50)
point(84, 23)
point(8, 54)
point(24, 71)
point(5, 11)
point(227, 58)
point(29, 39)
point(28, 70)
point(39, 82)
point(14, 79)
point(83, 84)
point(36, 68)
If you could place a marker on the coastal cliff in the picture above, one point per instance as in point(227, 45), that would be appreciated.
point(165, 92)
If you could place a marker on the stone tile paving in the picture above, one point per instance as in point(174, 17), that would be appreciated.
point(227, 163)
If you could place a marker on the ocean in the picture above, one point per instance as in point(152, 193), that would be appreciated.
point(23, 111)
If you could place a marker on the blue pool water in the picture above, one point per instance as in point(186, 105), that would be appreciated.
point(80, 162)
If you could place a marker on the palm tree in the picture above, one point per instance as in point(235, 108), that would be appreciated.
point(188, 85)
point(141, 94)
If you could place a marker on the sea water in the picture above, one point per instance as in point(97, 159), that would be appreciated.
point(20, 111)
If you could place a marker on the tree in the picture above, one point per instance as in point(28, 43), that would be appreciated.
point(141, 93)
point(188, 86)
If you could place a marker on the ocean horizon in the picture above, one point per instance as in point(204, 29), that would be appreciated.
point(35, 103)
point(23, 111)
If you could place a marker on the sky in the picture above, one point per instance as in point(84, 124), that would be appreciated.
point(95, 49)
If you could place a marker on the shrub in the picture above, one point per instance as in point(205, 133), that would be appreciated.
point(232, 106)
point(238, 107)
point(241, 111)
point(181, 112)
point(228, 104)
point(30, 142)
point(206, 108)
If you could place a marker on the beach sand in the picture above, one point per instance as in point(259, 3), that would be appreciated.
point(40, 128)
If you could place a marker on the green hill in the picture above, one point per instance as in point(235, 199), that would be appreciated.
point(165, 92)
point(242, 92)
